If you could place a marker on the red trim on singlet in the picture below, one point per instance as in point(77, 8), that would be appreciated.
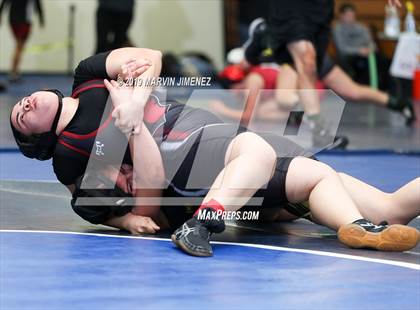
point(153, 112)
point(177, 135)
point(73, 148)
point(81, 88)
point(76, 93)
point(88, 135)
point(87, 82)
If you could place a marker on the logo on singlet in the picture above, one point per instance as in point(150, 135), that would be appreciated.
point(99, 148)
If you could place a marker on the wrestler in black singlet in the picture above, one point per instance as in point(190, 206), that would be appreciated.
point(180, 132)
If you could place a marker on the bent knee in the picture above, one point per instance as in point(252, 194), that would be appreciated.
point(325, 170)
point(303, 175)
point(270, 159)
point(254, 146)
point(261, 150)
point(287, 98)
point(306, 62)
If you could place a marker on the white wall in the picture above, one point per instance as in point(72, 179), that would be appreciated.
point(168, 25)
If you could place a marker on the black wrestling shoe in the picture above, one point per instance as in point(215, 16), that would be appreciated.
point(194, 235)
point(339, 143)
point(408, 113)
point(364, 234)
point(322, 137)
point(257, 48)
point(404, 106)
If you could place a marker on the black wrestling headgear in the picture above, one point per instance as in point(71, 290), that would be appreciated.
point(104, 203)
point(40, 146)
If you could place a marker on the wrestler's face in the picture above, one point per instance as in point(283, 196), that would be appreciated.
point(123, 177)
point(35, 113)
point(348, 16)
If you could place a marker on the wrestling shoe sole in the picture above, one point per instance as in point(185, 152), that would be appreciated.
point(181, 245)
point(395, 238)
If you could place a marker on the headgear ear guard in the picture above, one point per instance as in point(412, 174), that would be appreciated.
point(40, 146)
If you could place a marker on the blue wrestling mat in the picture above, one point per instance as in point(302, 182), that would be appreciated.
point(76, 271)
point(385, 170)
point(51, 259)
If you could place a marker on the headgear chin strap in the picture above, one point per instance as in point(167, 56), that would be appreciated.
point(40, 146)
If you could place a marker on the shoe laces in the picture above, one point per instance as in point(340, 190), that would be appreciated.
point(204, 232)
point(196, 227)
point(369, 226)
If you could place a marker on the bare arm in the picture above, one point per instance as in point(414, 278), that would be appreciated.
point(149, 174)
point(148, 171)
point(102, 214)
point(119, 57)
point(129, 115)
point(135, 224)
point(118, 222)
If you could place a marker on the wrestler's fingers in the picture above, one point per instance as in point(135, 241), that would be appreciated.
point(136, 130)
point(114, 83)
point(141, 70)
point(124, 69)
point(108, 85)
point(142, 61)
point(153, 225)
point(116, 114)
point(149, 230)
point(125, 128)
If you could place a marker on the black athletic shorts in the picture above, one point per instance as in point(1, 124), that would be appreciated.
point(296, 20)
point(327, 65)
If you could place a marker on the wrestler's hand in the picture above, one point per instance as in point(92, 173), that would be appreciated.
point(120, 94)
point(134, 68)
point(137, 224)
point(128, 116)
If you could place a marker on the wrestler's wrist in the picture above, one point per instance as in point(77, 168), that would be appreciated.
point(126, 222)
point(140, 101)
point(122, 103)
